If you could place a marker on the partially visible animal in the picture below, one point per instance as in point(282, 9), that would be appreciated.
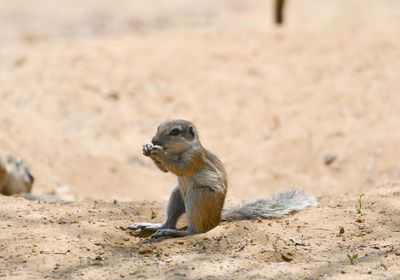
point(15, 176)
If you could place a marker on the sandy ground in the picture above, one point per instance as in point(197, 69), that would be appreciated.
point(86, 240)
point(84, 85)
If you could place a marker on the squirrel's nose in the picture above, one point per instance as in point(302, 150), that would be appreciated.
point(156, 141)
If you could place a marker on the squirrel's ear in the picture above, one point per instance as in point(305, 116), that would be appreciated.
point(192, 132)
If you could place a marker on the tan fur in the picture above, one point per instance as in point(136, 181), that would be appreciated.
point(194, 162)
point(3, 174)
point(204, 209)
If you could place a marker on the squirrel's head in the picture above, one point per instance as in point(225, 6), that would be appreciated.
point(176, 136)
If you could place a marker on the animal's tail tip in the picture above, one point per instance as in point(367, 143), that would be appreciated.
point(309, 199)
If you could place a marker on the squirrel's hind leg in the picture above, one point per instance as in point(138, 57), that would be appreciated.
point(175, 209)
point(203, 209)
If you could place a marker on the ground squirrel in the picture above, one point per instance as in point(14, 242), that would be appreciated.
point(15, 177)
point(202, 185)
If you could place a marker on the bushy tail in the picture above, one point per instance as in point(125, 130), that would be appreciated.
point(281, 204)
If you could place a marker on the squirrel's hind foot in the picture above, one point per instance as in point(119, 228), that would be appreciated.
point(170, 233)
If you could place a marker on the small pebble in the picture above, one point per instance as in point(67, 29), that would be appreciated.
point(145, 250)
point(329, 158)
point(98, 258)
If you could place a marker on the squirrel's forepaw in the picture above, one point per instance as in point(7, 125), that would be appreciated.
point(144, 227)
point(150, 149)
point(146, 149)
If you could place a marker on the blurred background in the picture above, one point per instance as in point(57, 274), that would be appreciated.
point(314, 103)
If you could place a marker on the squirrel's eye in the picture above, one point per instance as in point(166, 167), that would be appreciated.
point(175, 132)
